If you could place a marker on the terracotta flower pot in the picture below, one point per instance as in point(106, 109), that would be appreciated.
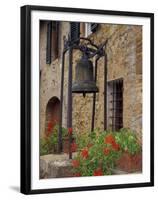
point(130, 163)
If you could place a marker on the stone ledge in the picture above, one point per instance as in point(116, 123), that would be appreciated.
point(60, 169)
point(55, 166)
point(59, 166)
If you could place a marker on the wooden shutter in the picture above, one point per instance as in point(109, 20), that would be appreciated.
point(52, 41)
point(74, 30)
point(55, 32)
point(49, 42)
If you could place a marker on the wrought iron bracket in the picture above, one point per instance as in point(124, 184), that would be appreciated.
point(89, 49)
point(86, 46)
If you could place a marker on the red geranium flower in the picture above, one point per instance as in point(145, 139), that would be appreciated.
point(77, 174)
point(73, 147)
point(109, 139)
point(70, 131)
point(84, 153)
point(48, 130)
point(98, 172)
point(106, 151)
point(75, 163)
point(115, 146)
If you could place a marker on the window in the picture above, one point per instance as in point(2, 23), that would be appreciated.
point(49, 42)
point(115, 104)
point(90, 28)
point(52, 41)
point(83, 29)
point(74, 31)
point(55, 35)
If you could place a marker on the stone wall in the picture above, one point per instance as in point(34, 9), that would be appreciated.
point(124, 54)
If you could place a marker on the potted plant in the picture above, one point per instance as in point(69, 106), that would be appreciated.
point(131, 158)
point(49, 143)
point(65, 139)
point(44, 146)
point(99, 153)
point(96, 155)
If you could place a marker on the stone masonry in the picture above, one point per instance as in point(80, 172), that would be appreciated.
point(124, 54)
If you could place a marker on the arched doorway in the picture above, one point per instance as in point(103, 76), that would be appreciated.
point(52, 114)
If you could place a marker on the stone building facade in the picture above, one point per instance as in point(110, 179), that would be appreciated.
point(124, 74)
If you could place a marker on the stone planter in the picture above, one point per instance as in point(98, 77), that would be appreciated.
point(130, 163)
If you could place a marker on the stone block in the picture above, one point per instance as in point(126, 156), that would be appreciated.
point(43, 169)
point(59, 169)
point(56, 166)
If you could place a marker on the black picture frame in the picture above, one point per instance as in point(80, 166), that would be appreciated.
point(26, 98)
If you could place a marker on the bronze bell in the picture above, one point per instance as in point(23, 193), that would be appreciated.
point(84, 80)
